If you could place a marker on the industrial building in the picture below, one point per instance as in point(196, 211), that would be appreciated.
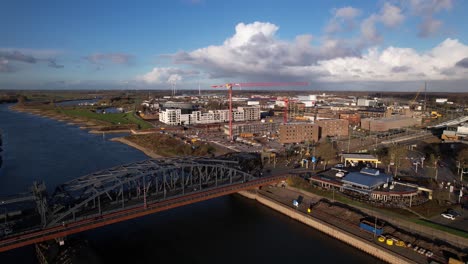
point(298, 132)
point(385, 124)
point(333, 127)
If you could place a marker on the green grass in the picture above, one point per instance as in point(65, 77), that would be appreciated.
point(394, 212)
point(168, 146)
point(441, 227)
point(114, 119)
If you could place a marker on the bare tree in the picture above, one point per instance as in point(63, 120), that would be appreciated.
point(396, 153)
point(326, 152)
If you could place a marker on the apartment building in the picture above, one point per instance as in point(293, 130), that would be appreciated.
point(333, 127)
point(298, 132)
point(176, 117)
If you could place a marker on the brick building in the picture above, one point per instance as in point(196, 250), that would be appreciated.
point(298, 132)
point(353, 119)
point(385, 124)
point(333, 127)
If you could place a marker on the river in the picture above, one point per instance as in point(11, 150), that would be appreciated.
point(228, 229)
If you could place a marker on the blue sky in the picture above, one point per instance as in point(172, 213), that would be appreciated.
point(150, 44)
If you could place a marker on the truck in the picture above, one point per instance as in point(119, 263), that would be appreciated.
point(373, 227)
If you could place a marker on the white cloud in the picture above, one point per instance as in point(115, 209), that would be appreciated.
point(400, 64)
point(165, 75)
point(343, 19)
point(427, 9)
point(369, 30)
point(254, 50)
point(255, 53)
point(391, 15)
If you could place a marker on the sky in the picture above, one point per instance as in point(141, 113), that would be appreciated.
point(382, 45)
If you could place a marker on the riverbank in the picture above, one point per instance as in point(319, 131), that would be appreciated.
point(94, 126)
point(328, 229)
point(148, 152)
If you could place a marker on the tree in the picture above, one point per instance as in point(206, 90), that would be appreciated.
point(433, 161)
point(326, 152)
point(396, 153)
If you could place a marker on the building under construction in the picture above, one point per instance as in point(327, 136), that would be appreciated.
point(260, 128)
point(385, 124)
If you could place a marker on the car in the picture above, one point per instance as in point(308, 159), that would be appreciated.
point(453, 212)
point(448, 216)
point(339, 165)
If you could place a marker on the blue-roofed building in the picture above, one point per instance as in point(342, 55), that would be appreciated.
point(366, 180)
point(371, 185)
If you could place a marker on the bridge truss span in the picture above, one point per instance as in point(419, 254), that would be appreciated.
point(143, 183)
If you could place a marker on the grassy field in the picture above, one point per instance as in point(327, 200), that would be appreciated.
point(441, 227)
point(167, 146)
point(114, 119)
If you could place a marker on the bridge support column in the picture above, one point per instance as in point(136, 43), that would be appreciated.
point(121, 189)
point(99, 204)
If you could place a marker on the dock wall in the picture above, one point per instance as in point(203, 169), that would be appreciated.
point(330, 230)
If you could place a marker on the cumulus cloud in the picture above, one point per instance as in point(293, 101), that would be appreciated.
point(114, 58)
point(427, 9)
point(400, 64)
point(254, 50)
point(463, 63)
point(343, 19)
point(165, 75)
point(254, 53)
point(369, 30)
point(391, 15)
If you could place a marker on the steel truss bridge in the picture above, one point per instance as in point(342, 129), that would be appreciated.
point(130, 191)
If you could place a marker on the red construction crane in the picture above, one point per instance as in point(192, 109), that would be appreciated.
point(262, 84)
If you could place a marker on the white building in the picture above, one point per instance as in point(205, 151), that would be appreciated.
point(366, 102)
point(170, 116)
point(441, 100)
point(175, 116)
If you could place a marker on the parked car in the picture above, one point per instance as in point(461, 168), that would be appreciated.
point(339, 165)
point(448, 216)
point(453, 212)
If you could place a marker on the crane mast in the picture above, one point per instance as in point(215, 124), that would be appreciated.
point(229, 87)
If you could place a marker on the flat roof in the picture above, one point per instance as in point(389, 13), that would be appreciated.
point(358, 156)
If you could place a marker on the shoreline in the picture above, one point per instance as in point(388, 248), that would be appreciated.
point(328, 229)
point(90, 125)
point(147, 152)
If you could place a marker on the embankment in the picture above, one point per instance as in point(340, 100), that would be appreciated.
point(330, 230)
point(148, 152)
